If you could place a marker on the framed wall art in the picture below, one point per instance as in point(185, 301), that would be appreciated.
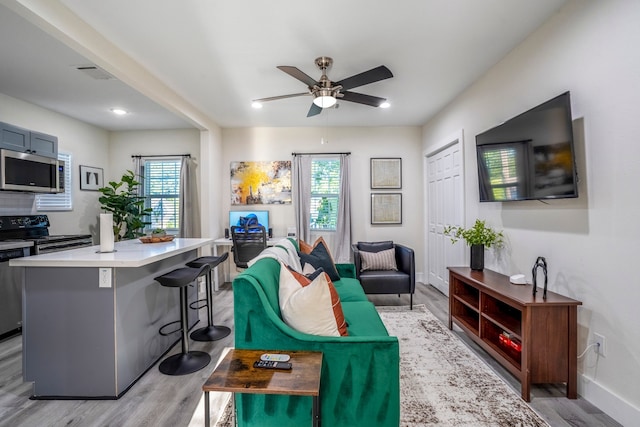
point(386, 208)
point(261, 183)
point(386, 173)
point(91, 178)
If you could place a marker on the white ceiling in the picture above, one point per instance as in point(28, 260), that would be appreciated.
point(218, 56)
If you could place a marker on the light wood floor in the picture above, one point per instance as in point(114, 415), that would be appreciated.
point(160, 400)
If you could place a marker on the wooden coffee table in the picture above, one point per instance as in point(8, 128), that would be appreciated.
point(236, 374)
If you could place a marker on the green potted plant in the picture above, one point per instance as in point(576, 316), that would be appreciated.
point(477, 238)
point(122, 200)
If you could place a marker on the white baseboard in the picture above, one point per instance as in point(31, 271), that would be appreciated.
point(614, 406)
point(420, 278)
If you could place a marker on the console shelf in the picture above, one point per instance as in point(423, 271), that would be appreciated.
point(534, 339)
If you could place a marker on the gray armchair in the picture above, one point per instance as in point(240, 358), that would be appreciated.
point(385, 281)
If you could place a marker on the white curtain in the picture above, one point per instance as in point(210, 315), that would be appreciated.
point(138, 172)
point(302, 195)
point(189, 207)
point(341, 248)
point(342, 242)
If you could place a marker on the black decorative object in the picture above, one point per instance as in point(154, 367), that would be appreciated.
point(540, 262)
point(477, 257)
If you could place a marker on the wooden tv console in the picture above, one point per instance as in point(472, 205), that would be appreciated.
point(535, 339)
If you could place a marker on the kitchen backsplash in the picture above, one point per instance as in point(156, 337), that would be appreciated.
point(16, 203)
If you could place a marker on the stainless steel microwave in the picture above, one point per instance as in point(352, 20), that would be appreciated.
point(30, 172)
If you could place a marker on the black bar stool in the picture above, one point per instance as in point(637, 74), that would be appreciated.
point(210, 332)
point(187, 361)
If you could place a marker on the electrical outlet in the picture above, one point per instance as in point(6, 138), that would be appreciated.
point(601, 348)
point(104, 278)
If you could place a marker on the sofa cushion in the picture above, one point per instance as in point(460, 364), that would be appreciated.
point(363, 319)
point(350, 290)
point(319, 257)
point(375, 246)
point(311, 306)
point(382, 260)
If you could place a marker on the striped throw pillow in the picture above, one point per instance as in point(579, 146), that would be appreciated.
point(383, 260)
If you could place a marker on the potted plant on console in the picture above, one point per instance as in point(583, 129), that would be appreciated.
point(122, 200)
point(477, 238)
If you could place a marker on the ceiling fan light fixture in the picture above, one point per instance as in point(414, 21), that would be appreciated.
point(324, 98)
point(256, 104)
point(385, 104)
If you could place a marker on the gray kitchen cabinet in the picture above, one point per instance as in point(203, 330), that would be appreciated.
point(19, 139)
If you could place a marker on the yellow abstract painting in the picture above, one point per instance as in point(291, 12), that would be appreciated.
point(256, 183)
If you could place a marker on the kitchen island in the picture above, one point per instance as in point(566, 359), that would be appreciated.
point(91, 320)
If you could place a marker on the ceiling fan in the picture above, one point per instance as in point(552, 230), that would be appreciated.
point(326, 93)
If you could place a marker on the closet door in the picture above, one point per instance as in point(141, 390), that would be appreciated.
point(445, 206)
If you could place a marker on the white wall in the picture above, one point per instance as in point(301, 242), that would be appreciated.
point(125, 144)
point(88, 145)
point(264, 144)
point(591, 244)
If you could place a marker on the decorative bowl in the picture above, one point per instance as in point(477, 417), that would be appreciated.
point(157, 239)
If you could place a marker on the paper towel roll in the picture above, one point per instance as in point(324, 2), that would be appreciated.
point(106, 232)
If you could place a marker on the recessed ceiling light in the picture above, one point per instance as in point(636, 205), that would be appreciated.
point(119, 111)
point(256, 104)
point(385, 105)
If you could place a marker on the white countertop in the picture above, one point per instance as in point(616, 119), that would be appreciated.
point(15, 245)
point(130, 253)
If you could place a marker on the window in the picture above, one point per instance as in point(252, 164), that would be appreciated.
point(325, 193)
point(161, 189)
point(59, 201)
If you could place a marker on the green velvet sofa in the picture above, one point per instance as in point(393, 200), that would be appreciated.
point(360, 382)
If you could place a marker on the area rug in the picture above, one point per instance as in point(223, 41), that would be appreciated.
point(442, 382)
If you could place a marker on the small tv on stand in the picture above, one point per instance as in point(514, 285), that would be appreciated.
point(255, 217)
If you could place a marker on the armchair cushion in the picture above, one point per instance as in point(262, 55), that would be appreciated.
point(375, 246)
point(383, 260)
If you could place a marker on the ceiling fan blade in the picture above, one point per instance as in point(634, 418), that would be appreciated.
point(314, 110)
point(366, 77)
point(274, 98)
point(360, 98)
point(297, 74)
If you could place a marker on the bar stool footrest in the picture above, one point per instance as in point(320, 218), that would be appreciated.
point(192, 305)
point(164, 334)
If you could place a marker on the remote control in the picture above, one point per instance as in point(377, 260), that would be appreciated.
point(271, 365)
point(271, 357)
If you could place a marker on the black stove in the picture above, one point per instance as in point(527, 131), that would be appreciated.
point(35, 228)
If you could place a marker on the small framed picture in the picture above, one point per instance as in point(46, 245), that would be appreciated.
point(386, 208)
point(91, 178)
point(386, 173)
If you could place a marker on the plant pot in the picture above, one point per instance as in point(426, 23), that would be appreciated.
point(477, 257)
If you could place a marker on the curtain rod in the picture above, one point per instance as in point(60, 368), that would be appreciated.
point(138, 156)
point(348, 153)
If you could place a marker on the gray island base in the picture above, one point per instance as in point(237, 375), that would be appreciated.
point(91, 320)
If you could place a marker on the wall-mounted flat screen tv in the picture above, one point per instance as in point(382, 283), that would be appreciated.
point(249, 218)
point(529, 157)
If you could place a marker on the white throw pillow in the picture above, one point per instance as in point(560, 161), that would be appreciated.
point(312, 307)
